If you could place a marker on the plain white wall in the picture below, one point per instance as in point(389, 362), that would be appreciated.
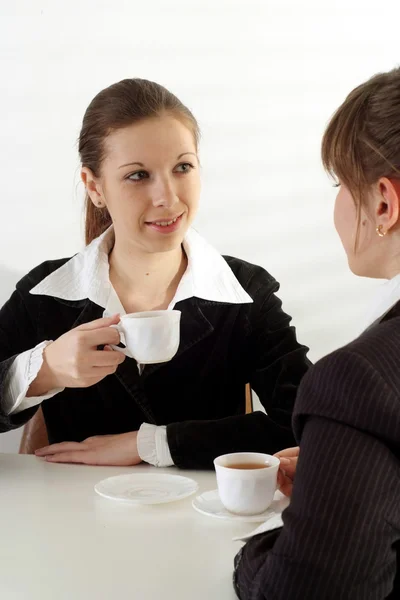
point(262, 77)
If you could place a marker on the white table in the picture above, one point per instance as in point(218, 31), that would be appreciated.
point(59, 540)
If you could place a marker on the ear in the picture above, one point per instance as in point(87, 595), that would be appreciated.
point(388, 207)
point(93, 187)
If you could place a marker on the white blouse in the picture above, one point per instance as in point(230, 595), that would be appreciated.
point(86, 275)
point(387, 295)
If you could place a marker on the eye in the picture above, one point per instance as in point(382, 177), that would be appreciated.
point(184, 168)
point(138, 176)
point(336, 185)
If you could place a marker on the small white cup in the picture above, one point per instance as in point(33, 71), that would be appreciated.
point(246, 491)
point(150, 337)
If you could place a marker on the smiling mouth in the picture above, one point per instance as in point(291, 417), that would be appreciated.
point(164, 223)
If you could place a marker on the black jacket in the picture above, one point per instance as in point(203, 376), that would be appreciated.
point(199, 394)
point(341, 534)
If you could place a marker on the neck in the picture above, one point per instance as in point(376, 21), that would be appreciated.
point(391, 268)
point(145, 281)
point(386, 261)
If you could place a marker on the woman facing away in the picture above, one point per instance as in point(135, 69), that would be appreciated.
point(341, 533)
point(139, 153)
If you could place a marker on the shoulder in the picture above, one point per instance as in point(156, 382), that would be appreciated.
point(380, 346)
point(358, 384)
point(375, 351)
point(266, 309)
point(36, 275)
point(253, 278)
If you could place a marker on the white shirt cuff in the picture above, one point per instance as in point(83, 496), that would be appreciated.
point(153, 446)
point(20, 376)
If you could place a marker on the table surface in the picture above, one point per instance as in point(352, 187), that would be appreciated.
point(59, 539)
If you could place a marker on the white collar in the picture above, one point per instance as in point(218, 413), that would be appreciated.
point(387, 295)
point(86, 275)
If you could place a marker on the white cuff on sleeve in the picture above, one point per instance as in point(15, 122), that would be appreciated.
point(153, 446)
point(20, 376)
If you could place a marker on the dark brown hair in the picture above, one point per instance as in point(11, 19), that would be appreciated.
point(124, 103)
point(362, 141)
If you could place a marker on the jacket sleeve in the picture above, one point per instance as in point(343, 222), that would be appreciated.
point(17, 334)
point(341, 528)
point(276, 363)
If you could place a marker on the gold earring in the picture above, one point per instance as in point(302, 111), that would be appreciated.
point(380, 232)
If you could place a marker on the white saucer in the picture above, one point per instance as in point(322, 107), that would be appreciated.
point(146, 488)
point(210, 504)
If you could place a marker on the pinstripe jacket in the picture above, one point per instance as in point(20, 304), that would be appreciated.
point(341, 534)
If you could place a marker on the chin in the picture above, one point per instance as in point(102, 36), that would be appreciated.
point(362, 270)
point(156, 241)
point(168, 247)
point(165, 244)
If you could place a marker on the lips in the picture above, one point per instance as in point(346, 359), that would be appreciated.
point(164, 222)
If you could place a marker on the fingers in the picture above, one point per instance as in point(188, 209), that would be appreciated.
point(99, 323)
point(289, 466)
point(101, 358)
point(61, 447)
point(285, 484)
point(101, 336)
point(288, 452)
point(281, 478)
point(287, 488)
point(83, 458)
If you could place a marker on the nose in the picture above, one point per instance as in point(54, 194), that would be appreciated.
point(164, 194)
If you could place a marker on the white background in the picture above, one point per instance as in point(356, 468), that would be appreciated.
point(262, 77)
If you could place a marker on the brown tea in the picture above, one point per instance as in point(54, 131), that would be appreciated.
point(253, 465)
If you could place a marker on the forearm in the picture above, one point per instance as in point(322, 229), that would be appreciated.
point(336, 539)
point(10, 421)
point(195, 444)
point(43, 381)
point(19, 394)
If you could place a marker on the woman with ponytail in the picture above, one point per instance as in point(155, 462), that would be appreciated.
point(139, 153)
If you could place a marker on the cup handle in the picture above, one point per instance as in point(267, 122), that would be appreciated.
point(117, 348)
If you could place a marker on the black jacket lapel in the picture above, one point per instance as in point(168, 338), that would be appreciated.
point(127, 373)
point(194, 327)
point(392, 313)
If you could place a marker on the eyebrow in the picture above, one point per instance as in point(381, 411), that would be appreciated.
point(183, 154)
point(130, 164)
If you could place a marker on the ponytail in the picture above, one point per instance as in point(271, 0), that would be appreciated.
point(97, 220)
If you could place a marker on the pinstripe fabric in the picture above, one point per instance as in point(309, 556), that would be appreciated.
point(341, 534)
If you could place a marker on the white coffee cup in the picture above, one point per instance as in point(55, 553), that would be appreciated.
point(150, 337)
point(246, 491)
